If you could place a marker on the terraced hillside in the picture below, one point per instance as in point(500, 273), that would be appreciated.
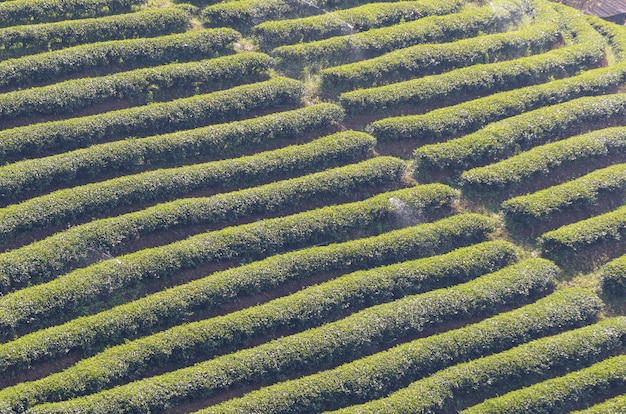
point(260, 206)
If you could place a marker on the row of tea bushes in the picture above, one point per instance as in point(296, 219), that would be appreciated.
point(24, 40)
point(613, 33)
point(68, 295)
point(476, 80)
point(77, 246)
point(166, 184)
point(64, 98)
point(26, 178)
point(305, 309)
point(427, 59)
point(170, 307)
point(334, 343)
point(359, 19)
point(604, 228)
point(443, 123)
point(239, 102)
point(583, 191)
point(561, 394)
point(376, 376)
point(533, 361)
point(480, 79)
point(613, 405)
point(545, 159)
point(243, 14)
point(613, 277)
point(117, 54)
point(19, 12)
point(375, 42)
point(502, 139)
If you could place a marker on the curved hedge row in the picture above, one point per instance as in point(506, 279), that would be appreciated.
point(562, 394)
point(158, 118)
point(613, 277)
point(18, 12)
point(119, 54)
point(532, 361)
point(475, 80)
point(23, 179)
point(546, 159)
point(166, 184)
point(243, 14)
point(615, 34)
point(375, 42)
point(305, 309)
point(333, 343)
point(24, 40)
point(167, 308)
point(604, 228)
point(66, 97)
point(582, 191)
point(67, 295)
point(358, 19)
point(76, 247)
point(421, 60)
point(470, 116)
point(502, 139)
point(614, 405)
point(375, 376)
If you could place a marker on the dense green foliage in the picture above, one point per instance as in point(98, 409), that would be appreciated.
point(307, 205)
point(545, 159)
point(614, 405)
point(166, 184)
point(358, 19)
point(120, 54)
point(24, 40)
point(613, 277)
point(335, 342)
point(374, 376)
point(561, 394)
point(420, 60)
point(476, 80)
point(18, 12)
point(532, 361)
point(243, 14)
point(158, 118)
point(175, 305)
point(63, 297)
point(302, 310)
point(604, 228)
point(449, 121)
point(74, 95)
point(93, 241)
point(32, 176)
point(586, 190)
point(502, 139)
point(375, 42)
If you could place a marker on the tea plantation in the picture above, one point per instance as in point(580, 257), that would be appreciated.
point(285, 206)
